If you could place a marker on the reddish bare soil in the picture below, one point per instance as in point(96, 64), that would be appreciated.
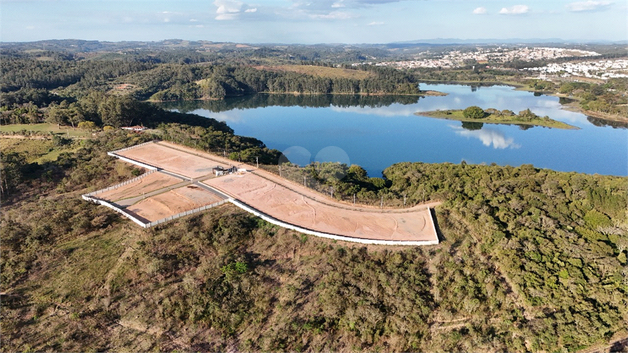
point(279, 198)
point(173, 202)
point(295, 207)
point(161, 156)
point(149, 183)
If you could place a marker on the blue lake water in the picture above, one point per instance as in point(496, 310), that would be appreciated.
point(376, 136)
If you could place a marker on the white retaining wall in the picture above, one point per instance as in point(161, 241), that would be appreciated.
point(117, 209)
point(151, 224)
point(245, 207)
point(277, 222)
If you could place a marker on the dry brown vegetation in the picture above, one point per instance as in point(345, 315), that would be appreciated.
point(531, 260)
point(321, 71)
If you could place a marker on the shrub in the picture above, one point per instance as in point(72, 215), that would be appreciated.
point(473, 112)
point(87, 125)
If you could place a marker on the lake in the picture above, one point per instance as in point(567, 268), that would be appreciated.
point(376, 132)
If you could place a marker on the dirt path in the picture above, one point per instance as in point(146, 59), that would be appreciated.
point(298, 188)
point(133, 200)
point(22, 137)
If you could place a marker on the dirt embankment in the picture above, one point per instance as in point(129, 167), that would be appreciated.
point(574, 106)
point(606, 116)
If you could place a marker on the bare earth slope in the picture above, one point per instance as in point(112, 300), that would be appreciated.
point(273, 196)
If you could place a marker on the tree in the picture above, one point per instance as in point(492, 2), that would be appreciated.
point(473, 112)
point(11, 171)
point(357, 173)
point(119, 111)
point(57, 114)
point(527, 114)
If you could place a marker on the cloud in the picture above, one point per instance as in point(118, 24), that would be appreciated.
point(515, 10)
point(376, 23)
point(227, 9)
point(489, 137)
point(329, 9)
point(581, 6)
point(479, 11)
point(334, 15)
point(231, 9)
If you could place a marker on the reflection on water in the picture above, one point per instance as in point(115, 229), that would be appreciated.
point(469, 125)
point(604, 123)
point(286, 100)
point(394, 110)
point(488, 136)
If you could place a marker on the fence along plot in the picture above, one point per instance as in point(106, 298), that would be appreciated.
point(154, 223)
point(186, 213)
point(94, 193)
point(131, 147)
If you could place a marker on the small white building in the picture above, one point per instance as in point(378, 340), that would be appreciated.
point(219, 170)
point(135, 128)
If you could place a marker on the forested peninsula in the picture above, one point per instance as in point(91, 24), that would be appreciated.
point(477, 115)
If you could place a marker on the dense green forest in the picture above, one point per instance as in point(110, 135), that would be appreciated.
point(22, 73)
point(62, 88)
point(530, 260)
point(36, 76)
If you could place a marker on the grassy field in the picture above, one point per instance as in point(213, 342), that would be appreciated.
point(36, 150)
point(321, 71)
point(46, 128)
point(497, 119)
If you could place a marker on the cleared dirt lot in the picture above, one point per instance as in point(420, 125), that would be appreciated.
point(291, 207)
point(145, 185)
point(173, 202)
point(163, 156)
point(289, 203)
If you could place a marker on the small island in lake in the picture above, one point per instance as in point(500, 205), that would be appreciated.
point(476, 114)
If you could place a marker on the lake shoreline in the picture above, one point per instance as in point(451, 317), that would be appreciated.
point(427, 93)
point(379, 131)
point(523, 87)
point(456, 114)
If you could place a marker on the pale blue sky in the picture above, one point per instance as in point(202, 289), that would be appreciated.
point(312, 21)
